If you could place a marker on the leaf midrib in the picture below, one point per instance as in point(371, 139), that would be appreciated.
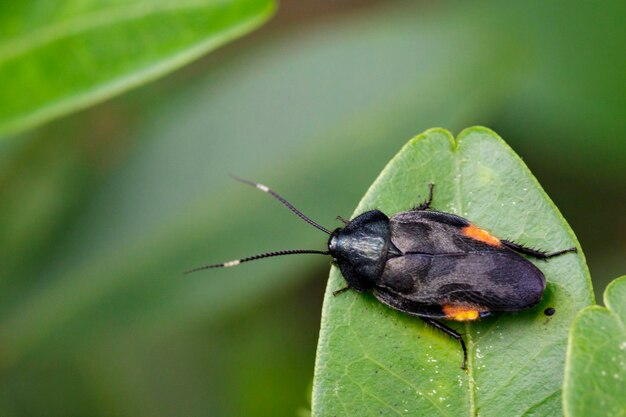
point(458, 203)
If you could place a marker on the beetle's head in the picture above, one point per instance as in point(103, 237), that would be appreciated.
point(360, 249)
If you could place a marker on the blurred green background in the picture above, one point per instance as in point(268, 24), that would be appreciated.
point(100, 211)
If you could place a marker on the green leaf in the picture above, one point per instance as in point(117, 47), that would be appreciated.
point(57, 59)
point(373, 361)
point(595, 369)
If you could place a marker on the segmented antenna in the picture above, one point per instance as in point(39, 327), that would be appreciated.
point(282, 200)
point(255, 257)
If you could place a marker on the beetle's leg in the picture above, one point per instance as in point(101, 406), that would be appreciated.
point(426, 204)
point(539, 254)
point(342, 290)
point(450, 332)
point(341, 219)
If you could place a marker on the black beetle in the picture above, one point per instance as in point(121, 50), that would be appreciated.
point(427, 263)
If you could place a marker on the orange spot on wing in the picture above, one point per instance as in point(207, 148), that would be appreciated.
point(460, 313)
point(481, 235)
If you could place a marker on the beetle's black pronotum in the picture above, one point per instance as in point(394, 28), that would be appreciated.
point(427, 263)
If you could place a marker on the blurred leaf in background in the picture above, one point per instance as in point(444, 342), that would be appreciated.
point(101, 211)
point(56, 57)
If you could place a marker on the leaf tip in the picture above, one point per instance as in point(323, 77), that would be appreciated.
point(611, 291)
point(478, 131)
point(432, 133)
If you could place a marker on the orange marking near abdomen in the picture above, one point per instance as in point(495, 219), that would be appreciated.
point(481, 235)
point(460, 313)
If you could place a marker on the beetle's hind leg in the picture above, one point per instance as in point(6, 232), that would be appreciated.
point(426, 204)
point(450, 332)
point(341, 290)
point(539, 254)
